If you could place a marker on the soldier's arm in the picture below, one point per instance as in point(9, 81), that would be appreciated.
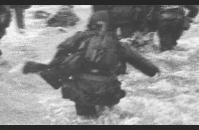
point(133, 57)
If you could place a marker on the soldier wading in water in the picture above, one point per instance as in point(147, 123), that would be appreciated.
point(19, 12)
point(86, 67)
point(169, 21)
point(5, 18)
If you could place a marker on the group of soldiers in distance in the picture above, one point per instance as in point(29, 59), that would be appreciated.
point(87, 64)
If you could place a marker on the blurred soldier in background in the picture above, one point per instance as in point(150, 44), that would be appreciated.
point(168, 20)
point(5, 18)
point(86, 67)
point(19, 11)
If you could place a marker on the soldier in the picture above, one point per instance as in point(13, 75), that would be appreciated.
point(100, 7)
point(86, 68)
point(169, 21)
point(19, 11)
point(5, 18)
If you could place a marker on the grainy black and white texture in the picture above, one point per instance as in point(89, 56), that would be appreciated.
point(168, 98)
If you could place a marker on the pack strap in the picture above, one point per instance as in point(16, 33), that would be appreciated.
point(100, 78)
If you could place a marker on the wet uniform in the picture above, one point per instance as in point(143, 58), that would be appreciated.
point(89, 77)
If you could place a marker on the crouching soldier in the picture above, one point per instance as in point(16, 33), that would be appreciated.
point(86, 68)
